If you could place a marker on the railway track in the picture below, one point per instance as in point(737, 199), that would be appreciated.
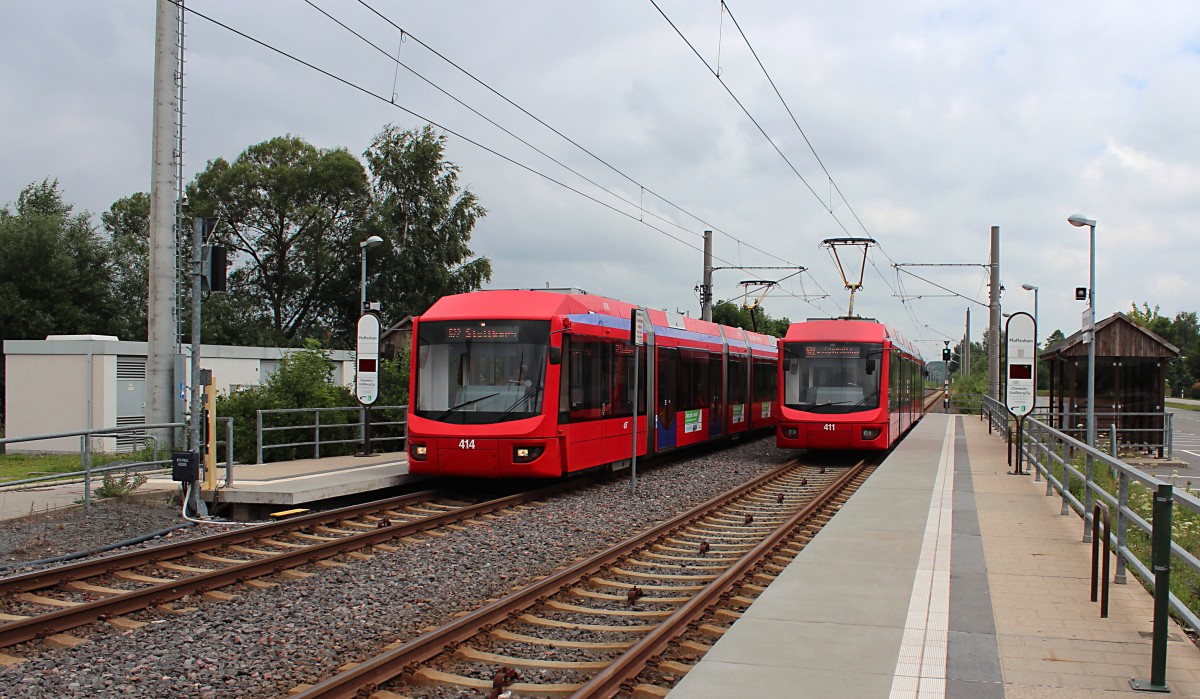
point(47, 603)
point(590, 629)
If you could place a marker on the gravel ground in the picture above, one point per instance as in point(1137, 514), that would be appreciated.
point(64, 531)
point(265, 642)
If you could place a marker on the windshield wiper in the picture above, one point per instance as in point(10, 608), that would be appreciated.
point(527, 393)
point(465, 404)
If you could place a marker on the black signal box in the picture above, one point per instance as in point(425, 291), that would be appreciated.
point(1081, 293)
point(185, 466)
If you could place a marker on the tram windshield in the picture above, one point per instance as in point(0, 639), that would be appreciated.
point(480, 372)
point(831, 377)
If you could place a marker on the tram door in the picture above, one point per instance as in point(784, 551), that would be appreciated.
point(666, 397)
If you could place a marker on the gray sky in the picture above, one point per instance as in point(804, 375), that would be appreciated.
point(935, 119)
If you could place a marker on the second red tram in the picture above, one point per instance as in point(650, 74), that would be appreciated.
point(847, 384)
point(540, 383)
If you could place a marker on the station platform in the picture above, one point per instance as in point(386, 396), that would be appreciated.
point(256, 489)
point(943, 576)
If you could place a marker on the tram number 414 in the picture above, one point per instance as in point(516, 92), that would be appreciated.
point(466, 444)
point(830, 427)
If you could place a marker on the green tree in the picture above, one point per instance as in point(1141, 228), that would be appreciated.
point(1152, 320)
point(1054, 339)
point(291, 215)
point(304, 379)
point(53, 268)
point(425, 218)
point(739, 316)
point(127, 223)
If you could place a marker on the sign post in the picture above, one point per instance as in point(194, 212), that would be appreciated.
point(637, 329)
point(1020, 394)
point(366, 375)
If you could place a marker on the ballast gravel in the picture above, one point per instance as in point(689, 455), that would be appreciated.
point(266, 641)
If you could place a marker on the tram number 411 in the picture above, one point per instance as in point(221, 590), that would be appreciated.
point(466, 444)
point(830, 427)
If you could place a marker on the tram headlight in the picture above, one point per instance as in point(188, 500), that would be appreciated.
point(523, 455)
point(791, 432)
point(869, 433)
point(419, 452)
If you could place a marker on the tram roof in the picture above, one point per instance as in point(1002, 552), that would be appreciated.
point(848, 330)
point(539, 304)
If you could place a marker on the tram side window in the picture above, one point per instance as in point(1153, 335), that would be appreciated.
point(623, 373)
point(668, 382)
point(598, 380)
point(737, 381)
point(715, 400)
point(893, 380)
point(765, 381)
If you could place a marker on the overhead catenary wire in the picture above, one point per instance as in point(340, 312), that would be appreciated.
point(476, 112)
point(828, 208)
point(391, 102)
point(567, 138)
point(421, 117)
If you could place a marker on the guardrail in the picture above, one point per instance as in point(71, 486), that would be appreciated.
point(1083, 477)
point(85, 451)
point(316, 427)
point(1144, 430)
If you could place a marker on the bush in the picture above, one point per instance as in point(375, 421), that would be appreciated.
point(304, 380)
point(120, 485)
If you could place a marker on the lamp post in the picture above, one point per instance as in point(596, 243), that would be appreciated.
point(368, 243)
point(1079, 221)
point(1034, 289)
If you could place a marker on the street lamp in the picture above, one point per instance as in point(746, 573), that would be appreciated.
point(368, 243)
point(1034, 289)
point(1079, 221)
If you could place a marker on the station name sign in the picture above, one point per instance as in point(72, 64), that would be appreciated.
point(1019, 395)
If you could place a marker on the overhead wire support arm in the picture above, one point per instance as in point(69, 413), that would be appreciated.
point(952, 291)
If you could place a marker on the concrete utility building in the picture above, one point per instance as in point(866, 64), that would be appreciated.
point(68, 383)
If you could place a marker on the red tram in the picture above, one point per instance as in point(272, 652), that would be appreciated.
point(847, 384)
point(541, 384)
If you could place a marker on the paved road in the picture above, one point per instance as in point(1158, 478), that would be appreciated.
point(1187, 436)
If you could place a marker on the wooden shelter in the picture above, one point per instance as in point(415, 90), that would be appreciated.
point(1131, 382)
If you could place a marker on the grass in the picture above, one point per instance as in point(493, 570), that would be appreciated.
point(1182, 406)
point(14, 467)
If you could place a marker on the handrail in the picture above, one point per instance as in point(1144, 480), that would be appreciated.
point(316, 427)
point(85, 452)
point(1097, 536)
point(1054, 455)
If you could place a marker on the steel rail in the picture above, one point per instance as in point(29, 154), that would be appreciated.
point(23, 630)
point(387, 666)
point(630, 664)
point(56, 576)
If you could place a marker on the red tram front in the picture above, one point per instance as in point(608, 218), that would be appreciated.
point(541, 384)
point(847, 384)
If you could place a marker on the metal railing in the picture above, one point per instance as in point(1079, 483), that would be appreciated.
point(1134, 430)
point(1000, 419)
point(85, 452)
point(316, 428)
point(1083, 477)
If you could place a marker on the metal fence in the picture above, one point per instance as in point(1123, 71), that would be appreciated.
point(1150, 431)
point(85, 454)
point(1066, 463)
point(314, 429)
